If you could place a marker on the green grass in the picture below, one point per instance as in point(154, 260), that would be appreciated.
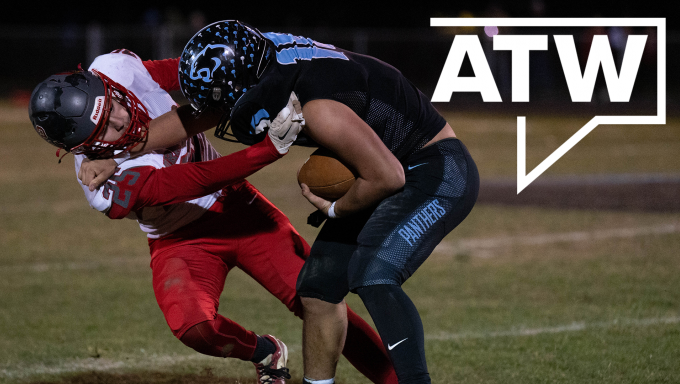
point(77, 306)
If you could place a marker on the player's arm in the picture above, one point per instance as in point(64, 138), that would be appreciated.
point(164, 72)
point(139, 187)
point(179, 124)
point(176, 126)
point(336, 127)
point(147, 186)
point(164, 131)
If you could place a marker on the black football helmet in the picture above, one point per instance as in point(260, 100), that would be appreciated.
point(220, 63)
point(71, 111)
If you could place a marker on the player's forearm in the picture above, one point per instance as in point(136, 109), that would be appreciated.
point(335, 126)
point(364, 194)
point(184, 182)
point(174, 127)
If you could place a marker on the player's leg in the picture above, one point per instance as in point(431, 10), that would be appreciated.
point(187, 282)
point(275, 257)
point(322, 284)
point(365, 351)
point(397, 239)
point(395, 316)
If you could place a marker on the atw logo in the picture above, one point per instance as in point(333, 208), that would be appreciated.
point(580, 85)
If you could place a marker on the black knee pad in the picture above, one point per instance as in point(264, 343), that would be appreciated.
point(324, 275)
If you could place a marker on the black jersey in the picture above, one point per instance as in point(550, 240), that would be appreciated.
point(401, 115)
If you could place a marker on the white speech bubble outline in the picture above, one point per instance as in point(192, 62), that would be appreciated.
point(524, 179)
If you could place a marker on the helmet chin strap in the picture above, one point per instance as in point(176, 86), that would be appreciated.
point(64, 155)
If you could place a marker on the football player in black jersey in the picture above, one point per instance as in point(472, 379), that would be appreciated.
point(415, 180)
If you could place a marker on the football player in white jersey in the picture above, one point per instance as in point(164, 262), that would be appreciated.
point(201, 217)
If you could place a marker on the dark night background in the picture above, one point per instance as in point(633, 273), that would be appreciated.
point(352, 14)
point(45, 38)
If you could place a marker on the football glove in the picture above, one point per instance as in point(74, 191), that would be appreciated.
point(288, 123)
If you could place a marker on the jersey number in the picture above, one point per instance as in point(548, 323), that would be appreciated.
point(301, 48)
point(123, 200)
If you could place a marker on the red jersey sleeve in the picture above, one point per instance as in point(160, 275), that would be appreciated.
point(164, 72)
point(139, 187)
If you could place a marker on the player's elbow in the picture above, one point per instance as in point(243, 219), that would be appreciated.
point(393, 180)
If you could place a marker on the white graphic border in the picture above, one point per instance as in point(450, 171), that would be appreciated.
point(524, 179)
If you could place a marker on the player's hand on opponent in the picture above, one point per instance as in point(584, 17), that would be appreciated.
point(288, 123)
point(94, 173)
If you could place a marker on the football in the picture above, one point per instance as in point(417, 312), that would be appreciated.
point(325, 175)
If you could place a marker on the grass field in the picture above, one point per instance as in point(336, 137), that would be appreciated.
point(514, 295)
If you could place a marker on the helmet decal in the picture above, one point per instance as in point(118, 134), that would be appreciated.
point(220, 62)
point(98, 109)
point(217, 93)
point(41, 132)
point(204, 72)
point(60, 108)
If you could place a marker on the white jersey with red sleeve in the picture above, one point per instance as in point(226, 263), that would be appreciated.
point(129, 71)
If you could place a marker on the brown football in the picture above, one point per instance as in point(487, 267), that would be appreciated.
point(325, 175)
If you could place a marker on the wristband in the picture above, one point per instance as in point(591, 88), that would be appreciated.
point(331, 211)
point(119, 159)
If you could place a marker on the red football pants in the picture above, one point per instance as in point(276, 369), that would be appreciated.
point(243, 229)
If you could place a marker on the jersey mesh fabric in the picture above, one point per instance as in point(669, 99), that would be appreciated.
point(382, 117)
point(356, 101)
point(455, 170)
point(393, 123)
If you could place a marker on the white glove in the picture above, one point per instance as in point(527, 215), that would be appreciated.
point(288, 123)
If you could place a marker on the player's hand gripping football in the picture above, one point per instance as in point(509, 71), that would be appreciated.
point(320, 203)
point(288, 123)
point(94, 173)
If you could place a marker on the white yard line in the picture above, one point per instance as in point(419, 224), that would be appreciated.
point(144, 362)
point(159, 361)
point(100, 365)
point(573, 327)
point(449, 247)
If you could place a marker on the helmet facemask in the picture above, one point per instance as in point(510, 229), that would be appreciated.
point(94, 146)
